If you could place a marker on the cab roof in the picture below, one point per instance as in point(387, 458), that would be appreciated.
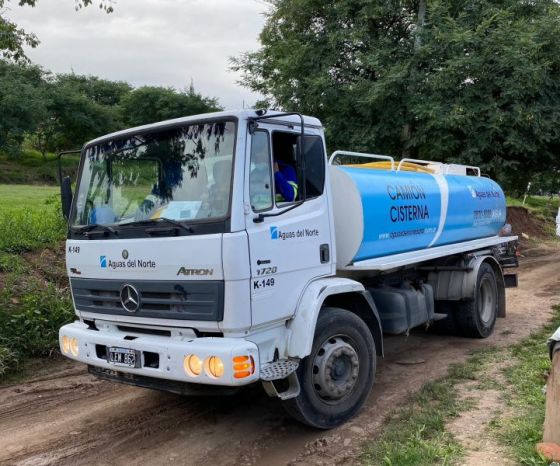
point(236, 114)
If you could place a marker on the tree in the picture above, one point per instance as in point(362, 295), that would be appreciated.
point(99, 90)
point(22, 104)
point(149, 104)
point(73, 116)
point(13, 39)
point(470, 82)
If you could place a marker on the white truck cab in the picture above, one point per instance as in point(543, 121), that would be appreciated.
point(190, 272)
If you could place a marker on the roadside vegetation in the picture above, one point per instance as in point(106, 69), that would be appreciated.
point(543, 210)
point(418, 434)
point(34, 296)
point(525, 379)
point(30, 167)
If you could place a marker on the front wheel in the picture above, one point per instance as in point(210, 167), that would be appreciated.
point(337, 376)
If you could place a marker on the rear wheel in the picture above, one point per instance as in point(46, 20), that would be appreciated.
point(337, 376)
point(476, 318)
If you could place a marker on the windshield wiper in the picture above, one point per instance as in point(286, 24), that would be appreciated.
point(93, 226)
point(160, 220)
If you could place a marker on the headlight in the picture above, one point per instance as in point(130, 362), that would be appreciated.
point(192, 365)
point(214, 367)
point(74, 347)
point(65, 344)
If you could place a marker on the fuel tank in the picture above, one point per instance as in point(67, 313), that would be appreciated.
point(383, 212)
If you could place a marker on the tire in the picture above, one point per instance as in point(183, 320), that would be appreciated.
point(337, 377)
point(476, 318)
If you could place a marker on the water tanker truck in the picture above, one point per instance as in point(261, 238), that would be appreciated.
point(192, 271)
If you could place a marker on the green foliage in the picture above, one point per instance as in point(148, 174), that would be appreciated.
point(8, 358)
point(416, 435)
point(22, 104)
point(477, 84)
point(526, 398)
point(31, 167)
point(30, 319)
point(74, 117)
point(32, 309)
point(54, 113)
point(150, 104)
point(26, 220)
point(13, 39)
point(100, 91)
point(79, 108)
point(61, 114)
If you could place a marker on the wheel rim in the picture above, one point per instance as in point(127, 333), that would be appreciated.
point(335, 369)
point(486, 300)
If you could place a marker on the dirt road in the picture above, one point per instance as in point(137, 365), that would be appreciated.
point(64, 416)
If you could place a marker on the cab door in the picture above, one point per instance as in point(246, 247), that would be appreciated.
point(289, 245)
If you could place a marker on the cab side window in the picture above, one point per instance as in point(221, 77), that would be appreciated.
point(314, 155)
point(286, 182)
point(288, 186)
point(260, 177)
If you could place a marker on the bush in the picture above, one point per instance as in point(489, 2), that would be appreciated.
point(31, 308)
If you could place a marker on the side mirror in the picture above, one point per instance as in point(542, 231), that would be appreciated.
point(65, 184)
point(66, 196)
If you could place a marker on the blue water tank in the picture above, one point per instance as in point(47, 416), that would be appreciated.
point(382, 212)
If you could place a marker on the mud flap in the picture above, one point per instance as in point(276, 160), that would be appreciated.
point(510, 280)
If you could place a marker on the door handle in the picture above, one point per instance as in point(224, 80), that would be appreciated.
point(324, 253)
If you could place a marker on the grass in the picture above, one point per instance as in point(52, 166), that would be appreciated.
point(30, 167)
point(526, 378)
point(32, 306)
point(30, 218)
point(536, 204)
point(417, 435)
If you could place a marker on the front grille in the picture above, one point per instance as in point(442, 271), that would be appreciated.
point(196, 300)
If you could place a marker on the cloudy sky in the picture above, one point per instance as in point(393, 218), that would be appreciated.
point(153, 42)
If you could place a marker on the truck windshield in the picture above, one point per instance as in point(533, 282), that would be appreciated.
point(182, 174)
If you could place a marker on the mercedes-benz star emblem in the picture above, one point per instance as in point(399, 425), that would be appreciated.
point(124, 254)
point(130, 298)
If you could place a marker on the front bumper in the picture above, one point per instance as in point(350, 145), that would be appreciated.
point(171, 353)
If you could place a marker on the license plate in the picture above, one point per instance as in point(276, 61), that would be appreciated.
point(122, 357)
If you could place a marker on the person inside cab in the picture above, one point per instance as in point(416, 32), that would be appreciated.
point(260, 181)
point(285, 182)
